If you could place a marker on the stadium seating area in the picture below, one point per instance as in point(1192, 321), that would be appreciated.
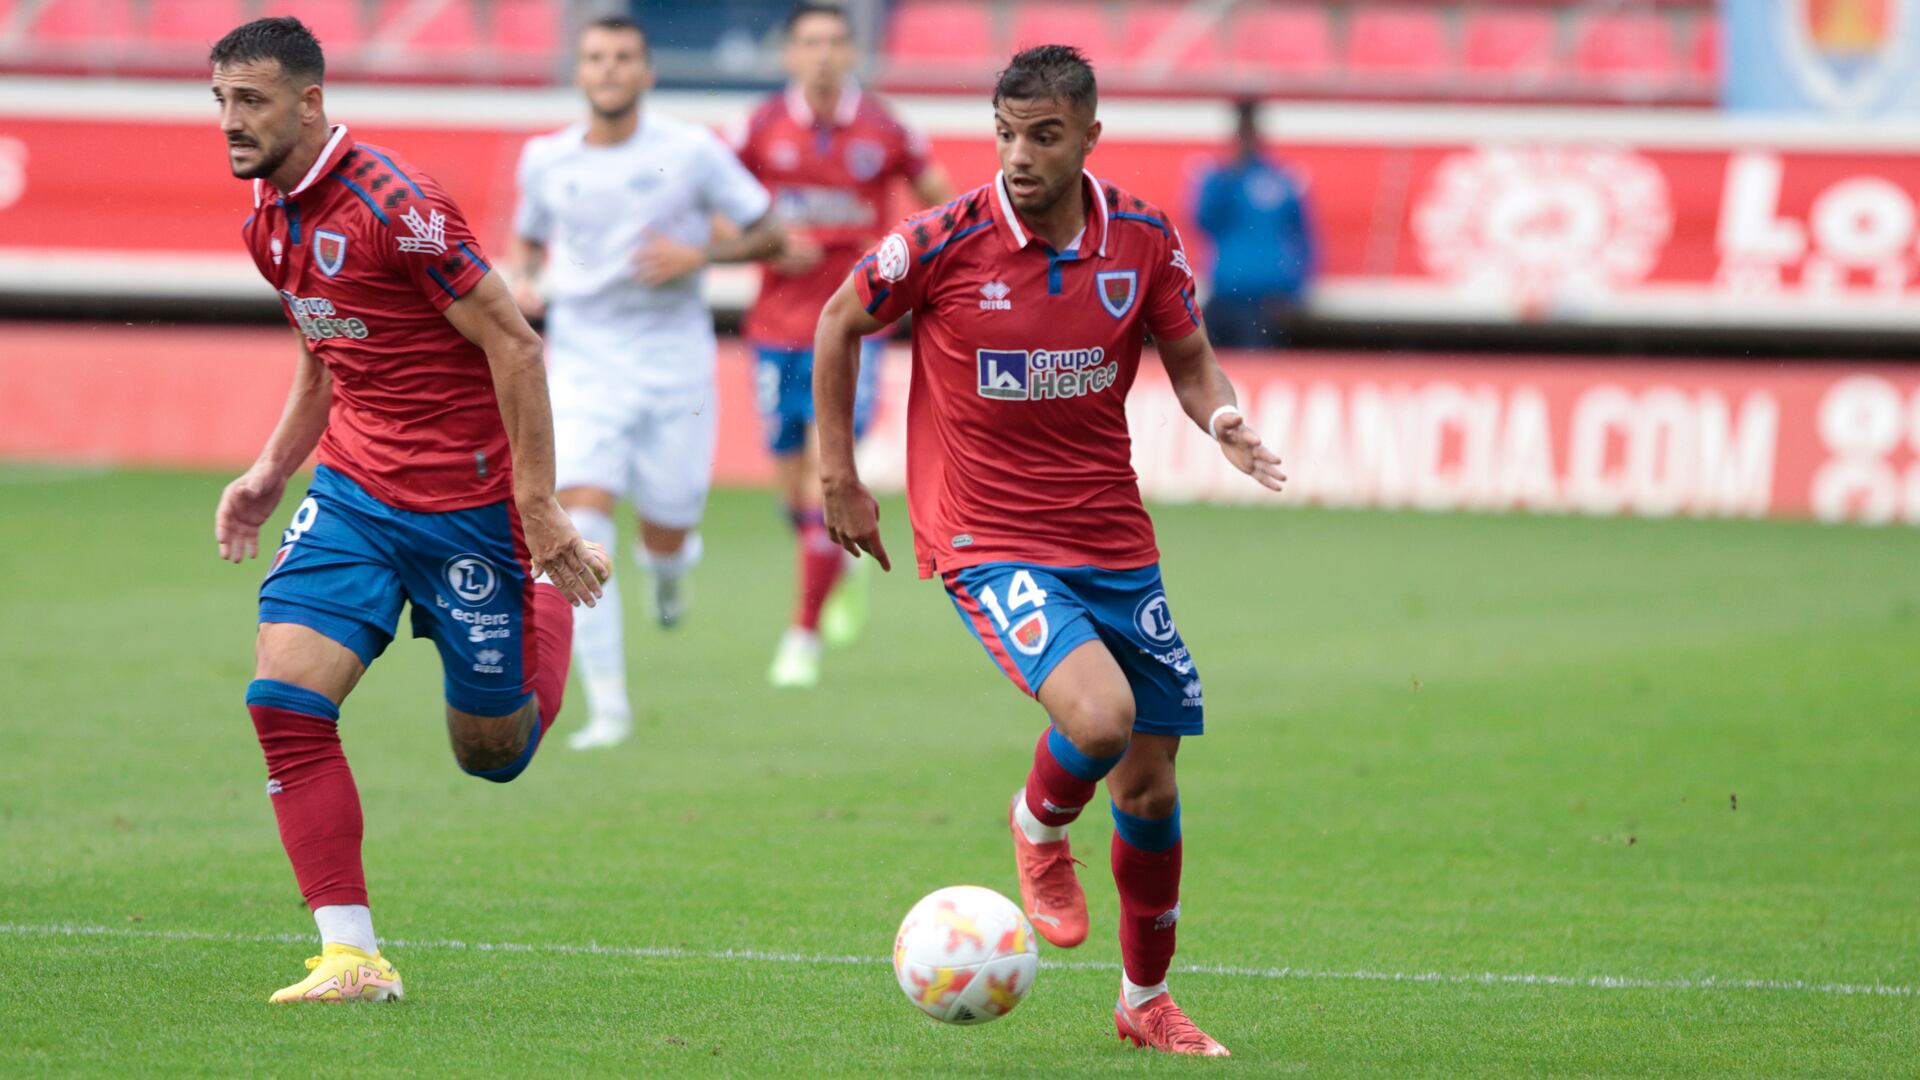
point(1628, 51)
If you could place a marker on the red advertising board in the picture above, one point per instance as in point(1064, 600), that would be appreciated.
point(1556, 435)
point(1423, 214)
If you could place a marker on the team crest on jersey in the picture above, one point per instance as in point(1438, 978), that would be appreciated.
point(1117, 289)
point(865, 159)
point(1030, 634)
point(329, 251)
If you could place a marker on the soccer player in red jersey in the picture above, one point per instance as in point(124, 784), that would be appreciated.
point(831, 154)
point(423, 389)
point(1031, 296)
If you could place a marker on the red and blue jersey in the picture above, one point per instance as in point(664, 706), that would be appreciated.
point(367, 252)
point(1017, 443)
point(830, 178)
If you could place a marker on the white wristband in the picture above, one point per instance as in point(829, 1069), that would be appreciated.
point(1215, 419)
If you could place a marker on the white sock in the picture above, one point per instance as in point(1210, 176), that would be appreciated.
point(1137, 995)
point(670, 568)
point(346, 924)
point(598, 645)
point(1037, 831)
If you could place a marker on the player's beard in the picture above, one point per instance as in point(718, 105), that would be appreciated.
point(268, 164)
point(618, 113)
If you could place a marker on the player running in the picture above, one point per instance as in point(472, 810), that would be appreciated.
point(423, 389)
point(831, 154)
point(1030, 297)
point(617, 211)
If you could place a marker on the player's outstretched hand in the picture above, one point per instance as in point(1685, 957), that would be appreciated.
point(662, 259)
point(853, 520)
point(575, 567)
point(1242, 446)
point(245, 506)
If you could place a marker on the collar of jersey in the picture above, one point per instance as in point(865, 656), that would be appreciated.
point(844, 110)
point(338, 146)
point(1016, 233)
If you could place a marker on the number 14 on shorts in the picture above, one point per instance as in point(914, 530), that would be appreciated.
point(1029, 631)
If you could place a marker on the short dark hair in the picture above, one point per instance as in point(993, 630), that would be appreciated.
point(810, 7)
point(285, 39)
point(1048, 71)
point(622, 23)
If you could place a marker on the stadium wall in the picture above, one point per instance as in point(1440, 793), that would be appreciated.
point(1827, 442)
point(1428, 214)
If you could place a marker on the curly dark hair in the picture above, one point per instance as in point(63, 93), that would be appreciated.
point(1048, 71)
point(285, 39)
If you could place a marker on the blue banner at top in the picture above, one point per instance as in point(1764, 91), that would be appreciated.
point(1843, 58)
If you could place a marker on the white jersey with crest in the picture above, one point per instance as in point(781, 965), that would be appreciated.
point(594, 207)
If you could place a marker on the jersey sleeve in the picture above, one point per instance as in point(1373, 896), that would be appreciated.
point(532, 218)
point(431, 246)
point(890, 278)
point(730, 190)
point(1171, 313)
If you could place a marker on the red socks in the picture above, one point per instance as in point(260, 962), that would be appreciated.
point(552, 636)
point(312, 790)
point(1063, 779)
point(821, 561)
point(1146, 868)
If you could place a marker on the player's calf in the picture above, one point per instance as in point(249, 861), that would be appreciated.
point(496, 748)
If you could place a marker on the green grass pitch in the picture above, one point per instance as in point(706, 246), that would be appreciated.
point(1480, 796)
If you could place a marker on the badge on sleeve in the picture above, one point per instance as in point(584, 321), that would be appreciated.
point(892, 259)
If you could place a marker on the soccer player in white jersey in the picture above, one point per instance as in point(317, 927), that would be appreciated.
point(616, 214)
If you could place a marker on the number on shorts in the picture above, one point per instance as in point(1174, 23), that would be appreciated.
point(1021, 592)
point(303, 519)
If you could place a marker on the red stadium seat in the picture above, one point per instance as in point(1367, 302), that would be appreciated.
point(192, 22)
point(1523, 44)
point(1397, 41)
point(107, 23)
point(425, 30)
point(339, 24)
point(1291, 40)
point(1633, 49)
point(948, 33)
point(1076, 23)
point(528, 28)
point(1705, 58)
point(1145, 25)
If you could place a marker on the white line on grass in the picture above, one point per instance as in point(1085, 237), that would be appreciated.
point(670, 952)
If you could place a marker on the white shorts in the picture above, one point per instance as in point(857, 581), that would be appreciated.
point(654, 447)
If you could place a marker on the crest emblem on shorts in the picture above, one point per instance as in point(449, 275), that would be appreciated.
point(865, 159)
point(1030, 634)
point(472, 578)
point(891, 261)
point(329, 251)
point(1117, 289)
point(1154, 620)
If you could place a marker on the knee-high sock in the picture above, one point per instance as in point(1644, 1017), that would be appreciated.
point(599, 645)
point(1061, 783)
point(1146, 868)
point(668, 569)
point(314, 798)
point(820, 563)
point(552, 649)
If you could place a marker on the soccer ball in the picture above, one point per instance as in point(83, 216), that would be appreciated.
point(965, 955)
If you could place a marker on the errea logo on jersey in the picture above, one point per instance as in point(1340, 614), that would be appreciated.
point(318, 320)
point(993, 297)
point(1042, 374)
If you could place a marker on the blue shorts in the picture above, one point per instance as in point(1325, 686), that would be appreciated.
point(347, 562)
point(784, 387)
point(1029, 617)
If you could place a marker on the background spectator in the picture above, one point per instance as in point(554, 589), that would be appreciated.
point(1255, 211)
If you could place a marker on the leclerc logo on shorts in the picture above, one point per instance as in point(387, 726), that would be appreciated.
point(1154, 620)
point(472, 578)
point(1042, 374)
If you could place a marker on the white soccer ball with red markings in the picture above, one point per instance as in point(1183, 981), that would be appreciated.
point(965, 955)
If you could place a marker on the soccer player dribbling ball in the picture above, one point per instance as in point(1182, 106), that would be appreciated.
point(1030, 298)
point(832, 154)
point(423, 389)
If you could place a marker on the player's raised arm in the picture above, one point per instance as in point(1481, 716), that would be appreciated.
point(1207, 395)
point(250, 499)
point(852, 515)
point(487, 316)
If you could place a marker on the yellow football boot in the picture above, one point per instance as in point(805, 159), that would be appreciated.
point(344, 973)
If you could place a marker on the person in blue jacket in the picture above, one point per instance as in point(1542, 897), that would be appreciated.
point(1255, 211)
